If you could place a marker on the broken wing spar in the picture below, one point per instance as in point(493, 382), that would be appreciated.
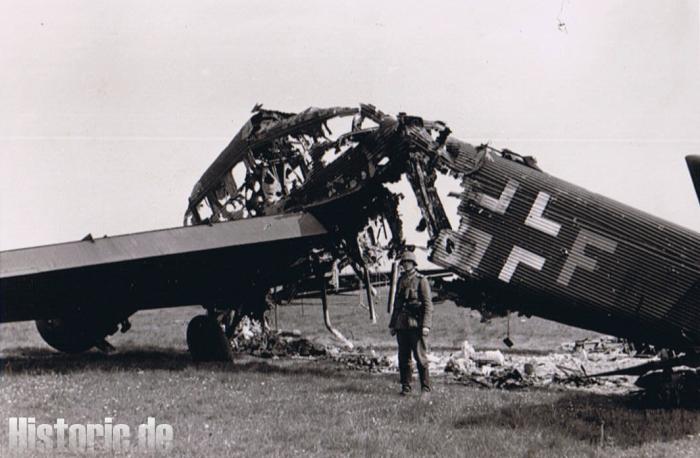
point(526, 241)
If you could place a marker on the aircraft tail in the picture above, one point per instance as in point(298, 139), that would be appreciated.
point(694, 168)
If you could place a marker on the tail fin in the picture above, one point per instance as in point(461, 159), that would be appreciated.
point(694, 168)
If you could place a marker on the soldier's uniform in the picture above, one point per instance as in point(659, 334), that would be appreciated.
point(413, 311)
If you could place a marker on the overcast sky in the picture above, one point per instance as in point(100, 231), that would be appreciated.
point(110, 111)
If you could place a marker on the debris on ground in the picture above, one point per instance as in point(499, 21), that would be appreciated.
point(504, 378)
point(486, 369)
point(251, 338)
point(363, 360)
point(604, 347)
point(492, 358)
point(570, 368)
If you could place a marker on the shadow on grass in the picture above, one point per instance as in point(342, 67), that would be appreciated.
point(293, 368)
point(618, 420)
point(32, 361)
point(352, 388)
point(39, 361)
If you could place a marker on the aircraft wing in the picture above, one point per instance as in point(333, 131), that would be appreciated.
point(204, 264)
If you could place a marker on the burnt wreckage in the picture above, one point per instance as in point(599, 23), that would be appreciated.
point(526, 242)
point(282, 163)
point(287, 203)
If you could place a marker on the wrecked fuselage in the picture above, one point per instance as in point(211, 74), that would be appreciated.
point(526, 242)
point(280, 163)
point(539, 245)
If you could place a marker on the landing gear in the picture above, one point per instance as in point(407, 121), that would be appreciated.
point(77, 334)
point(68, 336)
point(207, 341)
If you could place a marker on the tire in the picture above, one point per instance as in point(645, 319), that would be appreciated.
point(66, 335)
point(207, 341)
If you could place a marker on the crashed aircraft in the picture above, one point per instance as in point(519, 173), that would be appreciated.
point(287, 203)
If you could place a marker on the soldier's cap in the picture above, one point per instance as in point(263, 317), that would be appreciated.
point(408, 256)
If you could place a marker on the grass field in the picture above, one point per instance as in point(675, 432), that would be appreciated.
point(256, 407)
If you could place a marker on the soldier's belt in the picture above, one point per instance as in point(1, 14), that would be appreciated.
point(412, 309)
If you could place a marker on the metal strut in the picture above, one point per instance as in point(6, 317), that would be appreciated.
point(392, 287)
point(327, 316)
point(370, 298)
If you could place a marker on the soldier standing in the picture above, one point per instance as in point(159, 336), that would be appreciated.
point(410, 321)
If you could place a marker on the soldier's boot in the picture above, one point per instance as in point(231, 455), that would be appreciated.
point(405, 371)
point(424, 375)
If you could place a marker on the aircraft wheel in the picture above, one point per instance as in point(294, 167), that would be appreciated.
point(68, 336)
point(207, 341)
